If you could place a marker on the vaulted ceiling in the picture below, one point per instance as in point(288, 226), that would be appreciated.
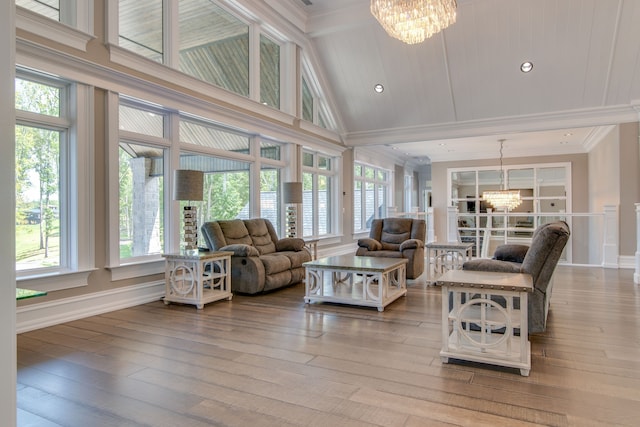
point(452, 96)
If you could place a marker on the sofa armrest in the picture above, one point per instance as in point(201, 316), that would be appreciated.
point(370, 244)
point(411, 244)
point(290, 244)
point(240, 249)
point(482, 264)
point(511, 252)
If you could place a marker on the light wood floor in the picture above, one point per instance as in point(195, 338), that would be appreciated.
point(272, 361)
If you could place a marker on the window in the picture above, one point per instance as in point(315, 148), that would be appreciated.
point(269, 72)
point(313, 107)
point(371, 192)
point(214, 45)
point(53, 233)
point(145, 40)
point(318, 183)
point(141, 189)
point(206, 41)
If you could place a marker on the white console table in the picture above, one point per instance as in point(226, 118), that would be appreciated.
point(477, 328)
point(193, 277)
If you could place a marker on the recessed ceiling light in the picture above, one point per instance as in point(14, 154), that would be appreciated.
point(526, 66)
point(568, 134)
point(442, 144)
point(378, 88)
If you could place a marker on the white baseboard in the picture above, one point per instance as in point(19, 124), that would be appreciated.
point(627, 261)
point(36, 316)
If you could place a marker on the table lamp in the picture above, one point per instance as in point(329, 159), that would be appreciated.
point(187, 185)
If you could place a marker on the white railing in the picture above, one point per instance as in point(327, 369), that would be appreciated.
point(426, 215)
point(593, 241)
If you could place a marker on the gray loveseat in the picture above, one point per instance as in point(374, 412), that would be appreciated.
point(260, 261)
point(397, 238)
point(539, 259)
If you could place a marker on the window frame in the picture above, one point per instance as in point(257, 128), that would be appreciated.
point(77, 257)
point(377, 183)
point(333, 182)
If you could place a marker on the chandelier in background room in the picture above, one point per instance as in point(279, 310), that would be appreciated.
point(502, 199)
point(413, 21)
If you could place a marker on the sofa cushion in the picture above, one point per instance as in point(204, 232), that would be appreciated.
point(260, 235)
point(289, 244)
point(483, 264)
point(384, 254)
point(235, 232)
point(296, 257)
point(275, 263)
point(511, 252)
point(395, 232)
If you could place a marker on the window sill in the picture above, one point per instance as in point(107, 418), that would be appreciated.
point(55, 281)
point(137, 269)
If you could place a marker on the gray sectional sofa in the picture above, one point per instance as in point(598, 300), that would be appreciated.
point(261, 261)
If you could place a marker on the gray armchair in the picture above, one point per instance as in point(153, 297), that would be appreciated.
point(539, 260)
point(397, 238)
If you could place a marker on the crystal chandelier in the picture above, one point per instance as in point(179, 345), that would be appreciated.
point(502, 199)
point(413, 21)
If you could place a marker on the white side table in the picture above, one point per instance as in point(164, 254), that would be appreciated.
point(193, 277)
point(477, 328)
point(446, 256)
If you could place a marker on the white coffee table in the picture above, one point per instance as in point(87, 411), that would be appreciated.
point(356, 280)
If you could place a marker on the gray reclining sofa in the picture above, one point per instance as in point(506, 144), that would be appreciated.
point(261, 261)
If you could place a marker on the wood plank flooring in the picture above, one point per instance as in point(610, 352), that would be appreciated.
point(271, 360)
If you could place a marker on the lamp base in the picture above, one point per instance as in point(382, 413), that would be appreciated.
point(190, 216)
point(291, 220)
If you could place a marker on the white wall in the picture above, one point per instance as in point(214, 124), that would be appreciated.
point(7, 212)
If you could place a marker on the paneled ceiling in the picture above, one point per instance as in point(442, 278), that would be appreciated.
point(454, 95)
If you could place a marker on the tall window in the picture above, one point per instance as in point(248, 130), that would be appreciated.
point(52, 234)
point(370, 196)
point(38, 189)
point(141, 182)
point(318, 183)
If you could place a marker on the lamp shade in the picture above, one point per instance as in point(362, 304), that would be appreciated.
point(187, 184)
point(292, 192)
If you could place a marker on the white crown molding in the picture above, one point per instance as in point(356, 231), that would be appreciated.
point(527, 123)
point(596, 136)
